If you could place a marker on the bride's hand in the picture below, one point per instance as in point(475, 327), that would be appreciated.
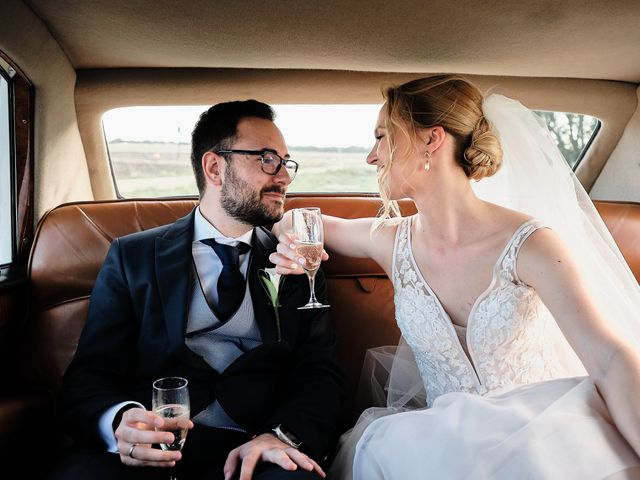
point(283, 225)
point(286, 258)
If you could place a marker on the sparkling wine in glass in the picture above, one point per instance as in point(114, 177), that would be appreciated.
point(307, 228)
point(171, 401)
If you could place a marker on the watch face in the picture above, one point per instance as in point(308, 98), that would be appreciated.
point(286, 436)
point(291, 436)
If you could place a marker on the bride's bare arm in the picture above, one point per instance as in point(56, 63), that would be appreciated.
point(546, 264)
point(349, 237)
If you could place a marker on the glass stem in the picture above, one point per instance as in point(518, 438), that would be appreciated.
point(312, 286)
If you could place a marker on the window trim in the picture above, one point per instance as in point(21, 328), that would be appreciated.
point(586, 148)
point(12, 184)
point(21, 102)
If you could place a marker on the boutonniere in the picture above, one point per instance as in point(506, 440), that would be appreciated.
point(271, 282)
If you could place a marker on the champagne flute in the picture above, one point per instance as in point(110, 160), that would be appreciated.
point(307, 228)
point(171, 402)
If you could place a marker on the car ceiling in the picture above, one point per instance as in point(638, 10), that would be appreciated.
point(568, 38)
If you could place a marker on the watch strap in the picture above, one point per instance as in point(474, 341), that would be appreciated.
point(282, 435)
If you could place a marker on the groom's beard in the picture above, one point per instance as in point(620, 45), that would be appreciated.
point(240, 201)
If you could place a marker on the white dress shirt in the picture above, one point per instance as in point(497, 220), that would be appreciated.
point(208, 265)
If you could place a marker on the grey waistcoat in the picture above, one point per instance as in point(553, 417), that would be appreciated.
point(220, 347)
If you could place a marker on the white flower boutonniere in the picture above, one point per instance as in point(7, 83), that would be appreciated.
point(271, 282)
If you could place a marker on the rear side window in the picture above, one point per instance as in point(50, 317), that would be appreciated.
point(16, 169)
point(6, 207)
point(149, 147)
point(572, 132)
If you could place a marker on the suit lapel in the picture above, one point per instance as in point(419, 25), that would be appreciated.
point(262, 245)
point(173, 257)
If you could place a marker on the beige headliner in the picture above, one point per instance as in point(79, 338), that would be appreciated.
point(568, 38)
point(313, 53)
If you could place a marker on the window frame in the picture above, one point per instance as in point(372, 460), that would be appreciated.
point(21, 121)
point(587, 146)
point(5, 76)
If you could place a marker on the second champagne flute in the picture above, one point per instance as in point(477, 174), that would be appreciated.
point(309, 233)
point(171, 401)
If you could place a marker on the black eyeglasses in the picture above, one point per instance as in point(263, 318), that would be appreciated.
point(271, 162)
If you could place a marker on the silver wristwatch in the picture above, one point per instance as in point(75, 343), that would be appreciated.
point(286, 436)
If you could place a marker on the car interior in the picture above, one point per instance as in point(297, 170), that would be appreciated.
point(65, 64)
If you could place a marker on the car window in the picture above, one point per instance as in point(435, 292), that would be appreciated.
point(149, 147)
point(16, 170)
point(150, 151)
point(6, 215)
point(572, 132)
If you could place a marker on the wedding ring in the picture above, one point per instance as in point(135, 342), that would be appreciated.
point(133, 446)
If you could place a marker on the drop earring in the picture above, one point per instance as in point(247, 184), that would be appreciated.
point(427, 163)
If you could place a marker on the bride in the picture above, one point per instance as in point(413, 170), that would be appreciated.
point(520, 315)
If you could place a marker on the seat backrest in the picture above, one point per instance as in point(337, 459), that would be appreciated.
point(71, 243)
point(72, 240)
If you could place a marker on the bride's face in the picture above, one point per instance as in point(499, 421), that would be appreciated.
point(395, 172)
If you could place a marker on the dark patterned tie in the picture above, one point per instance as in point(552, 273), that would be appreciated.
point(231, 283)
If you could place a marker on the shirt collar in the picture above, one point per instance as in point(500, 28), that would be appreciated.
point(202, 229)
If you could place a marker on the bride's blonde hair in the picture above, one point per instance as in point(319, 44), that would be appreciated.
point(449, 101)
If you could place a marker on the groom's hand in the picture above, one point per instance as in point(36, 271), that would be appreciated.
point(286, 258)
point(136, 434)
point(267, 448)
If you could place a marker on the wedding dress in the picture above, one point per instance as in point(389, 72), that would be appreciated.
point(507, 398)
point(496, 409)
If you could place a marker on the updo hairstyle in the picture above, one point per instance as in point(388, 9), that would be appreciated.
point(453, 103)
point(449, 101)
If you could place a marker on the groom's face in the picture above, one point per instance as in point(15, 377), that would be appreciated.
point(248, 194)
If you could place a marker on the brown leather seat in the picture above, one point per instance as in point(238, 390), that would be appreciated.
point(69, 247)
point(72, 240)
point(623, 221)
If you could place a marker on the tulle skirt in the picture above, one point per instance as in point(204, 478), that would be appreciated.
point(559, 429)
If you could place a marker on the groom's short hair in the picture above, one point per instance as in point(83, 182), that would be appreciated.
point(217, 127)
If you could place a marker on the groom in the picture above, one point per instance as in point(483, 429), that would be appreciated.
point(186, 300)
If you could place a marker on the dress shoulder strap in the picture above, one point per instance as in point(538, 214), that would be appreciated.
point(402, 246)
point(508, 269)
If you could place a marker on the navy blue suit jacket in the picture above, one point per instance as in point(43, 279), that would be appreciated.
point(135, 333)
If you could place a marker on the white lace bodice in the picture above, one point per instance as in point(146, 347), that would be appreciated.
point(506, 336)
